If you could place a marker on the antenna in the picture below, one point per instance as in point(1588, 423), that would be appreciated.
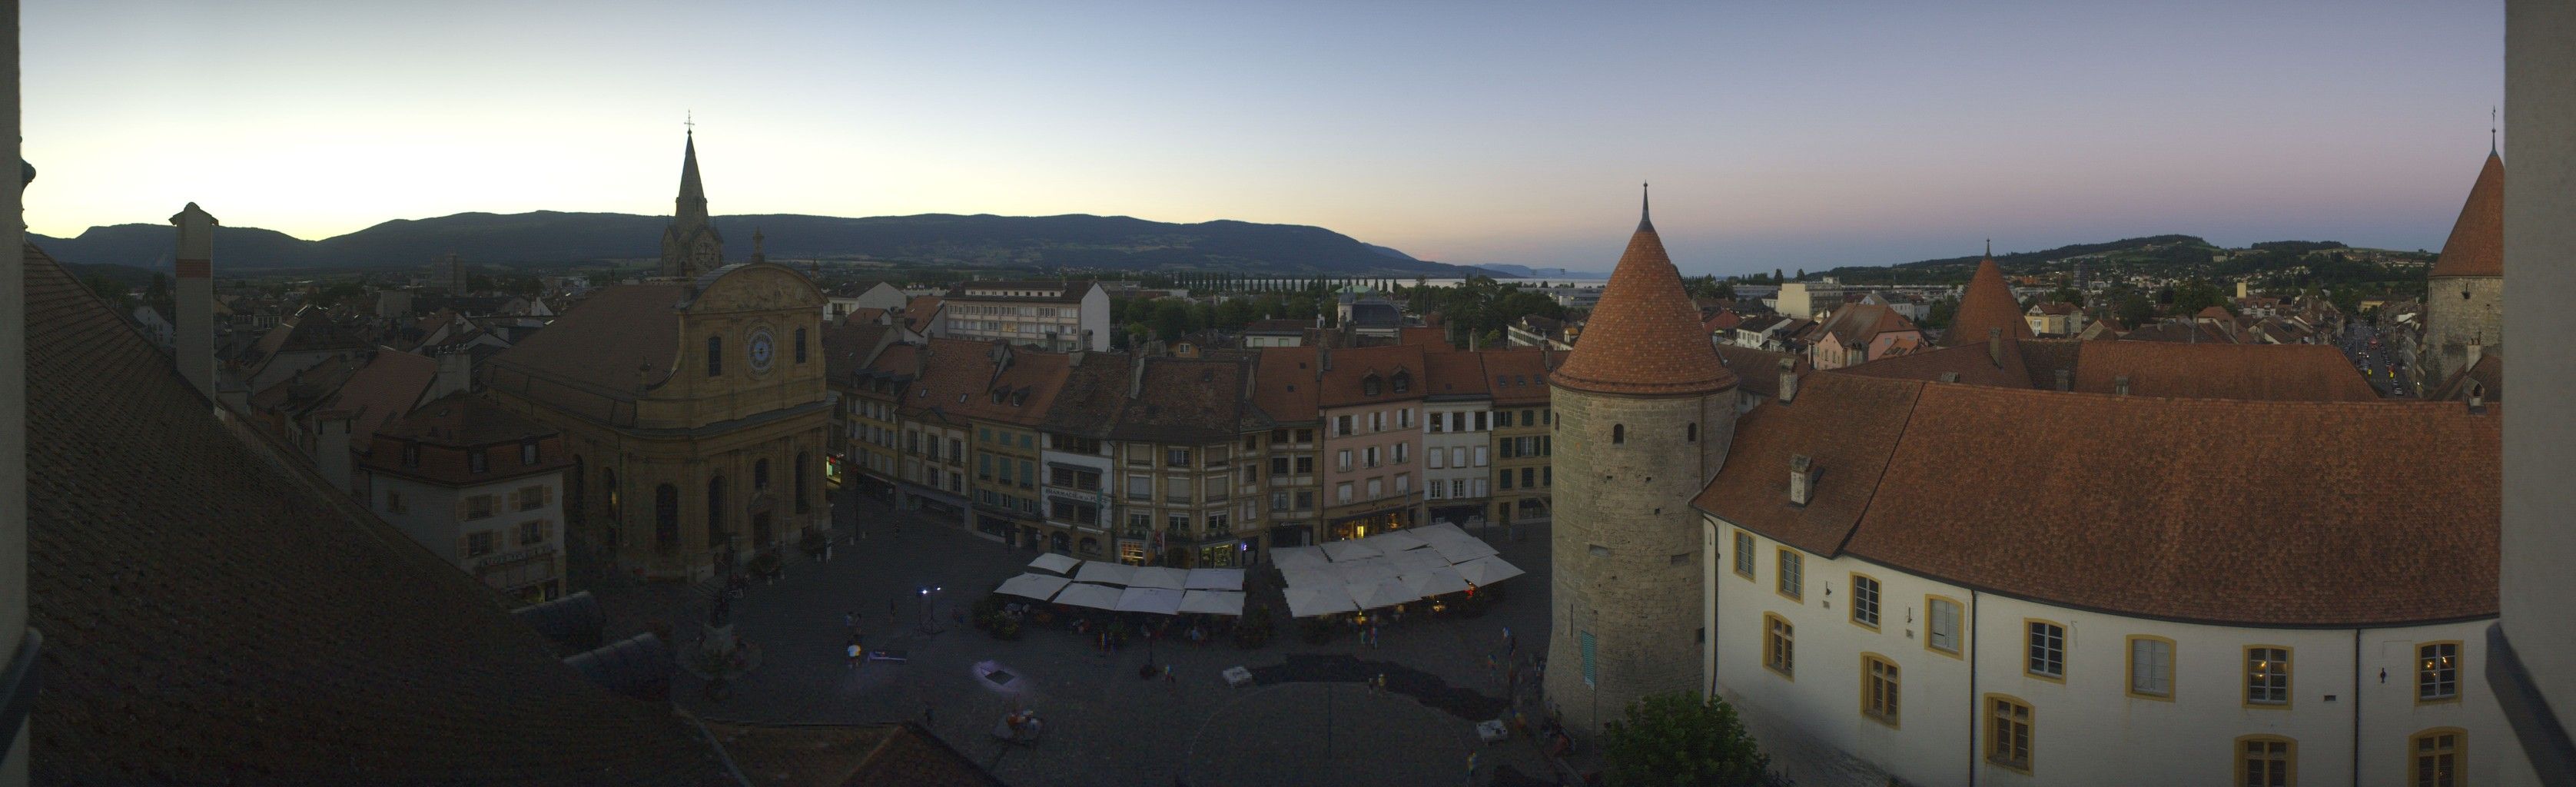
point(1990, 247)
point(2491, 129)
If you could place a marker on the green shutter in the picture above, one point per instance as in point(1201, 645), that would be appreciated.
point(1591, 669)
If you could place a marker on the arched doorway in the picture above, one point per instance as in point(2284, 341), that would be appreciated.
point(1060, 543)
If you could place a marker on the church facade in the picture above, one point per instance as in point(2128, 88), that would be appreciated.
point(693, 406)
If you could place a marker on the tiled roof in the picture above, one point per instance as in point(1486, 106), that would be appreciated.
point(2258, 513)
point(382, 392)
point(621, 341)
point(2486, 377)
point(849, 346)
point(1429, 336)
point(1184, 400)
point(1859, 324)
point(1974, 364)
point(1456, 374)
point(961, 380)
point(244, 624)
point(1093, 393)
point(2476, 246)
point(1519, 374)
point(2267, 372)
point(1986, 304)
point(1345, 383)
point(919, 313)
point(1287, 387)
point(1757, 372)
point(1644, 337)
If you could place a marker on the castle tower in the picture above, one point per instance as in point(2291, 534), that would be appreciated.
point(1985, 306)
point(2464, 301)
point(690, 245)
point(1644, 414)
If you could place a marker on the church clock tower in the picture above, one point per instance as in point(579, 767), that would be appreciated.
point(690, 245)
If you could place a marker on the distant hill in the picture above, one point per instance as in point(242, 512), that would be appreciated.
point(1527, 272)
point(549, 237)
point(2169, 256)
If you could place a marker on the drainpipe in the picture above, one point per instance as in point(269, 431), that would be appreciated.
point(2356, 707)
point(1976, 702)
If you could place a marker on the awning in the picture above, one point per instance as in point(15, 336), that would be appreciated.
point(1298, 557)
point(1036, 586)
point(1365, 571)
point(1394, 541)
point(1215, 579)
point(1212, 602)
point(1106, 573)
point(1320, 576)
point(1487, 570)
point(1348, 550)
point(1087, 595)
point(1159, 577)
point(1313, 600)
point(1434, 582)
point(1463, 551)
point(1160, 601)
point(1415, 560)
point(1060, 564)
point(1382, 593)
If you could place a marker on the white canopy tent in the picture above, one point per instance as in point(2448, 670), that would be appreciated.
point(1298, 557)
point(1106, 573)
point(1413, 560)
point(1082, 594)
point(1215, 579)
point(1312, 600)
point(1463, 551)
point(1341, 551)
point(1366, 572)
point(1212, 602)
point(1382, 593)
point(1057, 563)
point(1487, 570)
point(1432, 583)
point(1159, 577)
point(1036, 586)
point(1393, 541)
point(1160, 601)
point(1319, 576)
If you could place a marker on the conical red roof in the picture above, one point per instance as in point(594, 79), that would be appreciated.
point(2476, 247)
point(1644, 337)
point(1988, 303)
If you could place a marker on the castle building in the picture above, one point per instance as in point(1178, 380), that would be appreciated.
point(694, 409)
point(2464, 297)
point(690, 245)
point(1644, 412)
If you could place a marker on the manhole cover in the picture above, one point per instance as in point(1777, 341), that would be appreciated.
point(1000, 678)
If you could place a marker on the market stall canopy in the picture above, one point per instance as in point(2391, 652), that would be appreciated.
point(1394, 541)
point(1054, 562)
point(1212, 602)
point(1487, 570)
point(1106, 573)
point(1298, 557)
point(1366, 571)
point(1081, 594)
point(1463, 551)
point(1215, 579)
point(1160, 601)
point(1319, 576)
point(1313, 600)
point(1413, 560)
point(1443, 533)
point(1382, 593)
point(1349, 550)
point(1036, 586)
point(1435, 582)
point(1158, 577)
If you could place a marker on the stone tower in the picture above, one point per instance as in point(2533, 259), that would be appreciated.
point(2464, 301)
point(690, 246)
point(1644, 414)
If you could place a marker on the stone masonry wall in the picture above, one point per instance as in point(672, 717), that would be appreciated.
point(2453, 322)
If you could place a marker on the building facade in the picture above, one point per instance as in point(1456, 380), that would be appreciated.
point(1369, 400)
point(1457, 438)
point(477, 485)
point(2464, 298)
point(1524, 442)
point(1056, 316)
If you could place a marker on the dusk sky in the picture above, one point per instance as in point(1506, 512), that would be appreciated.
point(1790, 135)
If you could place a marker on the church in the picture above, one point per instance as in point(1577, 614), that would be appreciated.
point(692, 403)
point(1919, 576)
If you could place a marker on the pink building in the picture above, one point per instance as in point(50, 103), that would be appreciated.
point(1370, 399)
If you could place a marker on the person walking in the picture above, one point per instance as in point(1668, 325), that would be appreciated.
point(894, 607)
point(850, 621)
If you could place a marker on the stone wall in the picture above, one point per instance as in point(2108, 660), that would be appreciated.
point(2453, 322)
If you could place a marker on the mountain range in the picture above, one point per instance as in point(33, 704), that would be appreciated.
point(980, 241)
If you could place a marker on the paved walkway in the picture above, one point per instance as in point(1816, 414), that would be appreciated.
point(1308, 719)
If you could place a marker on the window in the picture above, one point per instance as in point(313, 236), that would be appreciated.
point(1342, 426)
point(1479, 454)
point(1744, 554)
point(1618, 434)
point(1792, 575)
point(394, 502)
point(1435, 457)
point(666, 516)
point(1368, 387)
point(715, 511)
point(528, 453)
point(411, 454)
point(478, 506)
point(1278, 466)
point(476, 461)
point(760, 474)
point(715, 356)
point(1342, 460)
point(1505, 478)
point(1176, 457)
point(2267, 676)
point(532, 498)
point(479, 544)
point(532, 532)
point(1028, 473)
point(2047, 650)
point(1342, 493)
point(1140, 487)
point(2151, 667)
point(2008, 732)
point(1376, 488)
point(1690, 434)
point(1864, 600)
point(1403, 483)
point(1305, 465)
point(1878, 697)
point(2436, 757)
point(1368, 456)
point(800, 345)
point(1779, 645)
point(2266, 760)
point(804, 482)
point(1942, 628)
point(2437, 672)
point(983, 434)
point(1402, 450)
point(1178, 524)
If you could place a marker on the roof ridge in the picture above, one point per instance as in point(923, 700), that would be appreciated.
point(1898, 443)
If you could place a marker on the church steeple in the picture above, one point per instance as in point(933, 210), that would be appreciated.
point(691, 245)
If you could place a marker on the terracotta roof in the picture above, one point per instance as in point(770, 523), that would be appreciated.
point(2267, 372)
point(621, 341)
point(1093, 393)
point(1986, 304)
point(1945, 481)
point(1456, 374)
point(1974, 364)
point(849, 346)
point(963, 377)
point(1644, 337)
point(1723, 320)
point(1519, 374)
point(865, 314)
point(2042, 358)
point(1757, 372)
point(1859, 324)
point(919, 313)
point(1345, 383)
point(2486, 377)
point(2057, 308)
point(382, 391)
point(1184, 400)
point(245, 624)
point(1429, 336)
point(2476, 247)
point(1285, 384)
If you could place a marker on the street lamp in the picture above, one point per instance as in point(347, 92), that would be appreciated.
point(923, 593)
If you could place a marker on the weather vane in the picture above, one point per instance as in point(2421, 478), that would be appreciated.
point(690, 119)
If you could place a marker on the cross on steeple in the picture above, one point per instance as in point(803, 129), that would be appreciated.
point(2491, 129)
point(1990, 247)
point(690, 119)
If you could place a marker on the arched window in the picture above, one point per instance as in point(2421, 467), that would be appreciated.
point(1690, 434)
point(804, 474)
point(715, 355)
point(1618, 434)
point(666, 516)
point(715, 512)
point(800, 345)
point(760, 474)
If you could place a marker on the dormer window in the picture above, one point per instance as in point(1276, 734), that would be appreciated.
point(1370, 386)
point(411, 455)
point(1403, 382)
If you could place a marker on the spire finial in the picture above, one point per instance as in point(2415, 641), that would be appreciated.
point(1645, 207)
point(1990, 247)
point(2491, 130)
point(689, 118)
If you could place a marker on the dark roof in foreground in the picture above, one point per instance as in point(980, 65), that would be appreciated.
point(241, 624)
point(2218, 511)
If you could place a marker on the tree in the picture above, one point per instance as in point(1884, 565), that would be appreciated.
point(1777, 277)
point(1940, 314)
point(2192, 296)
point(1171, 319)
point(2135, 310)
point(1679, 739)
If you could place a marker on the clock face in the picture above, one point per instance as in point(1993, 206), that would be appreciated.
point(761, 349)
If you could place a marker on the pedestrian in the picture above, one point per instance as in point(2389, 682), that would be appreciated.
point(850, 621)
point(854, 652)
point(926, 719)
point(893, 607)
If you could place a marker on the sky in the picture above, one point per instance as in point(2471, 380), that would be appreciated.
point(1777, 135)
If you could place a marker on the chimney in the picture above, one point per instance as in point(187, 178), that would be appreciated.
point(1802, 479)
point(1995, 346)
point(1324, 358)
point(331, 447)
point(2065, 380)
point(455, 375)
point(1948, 377)
point(1788, 380)
point(2476, 351)
point(2120, 385)
point(1136, 377)
point(194, 296)
point(1475, 341)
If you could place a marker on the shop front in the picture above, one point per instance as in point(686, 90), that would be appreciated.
point(1291, 534)
point(1360, 526)
point(1458, 515)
